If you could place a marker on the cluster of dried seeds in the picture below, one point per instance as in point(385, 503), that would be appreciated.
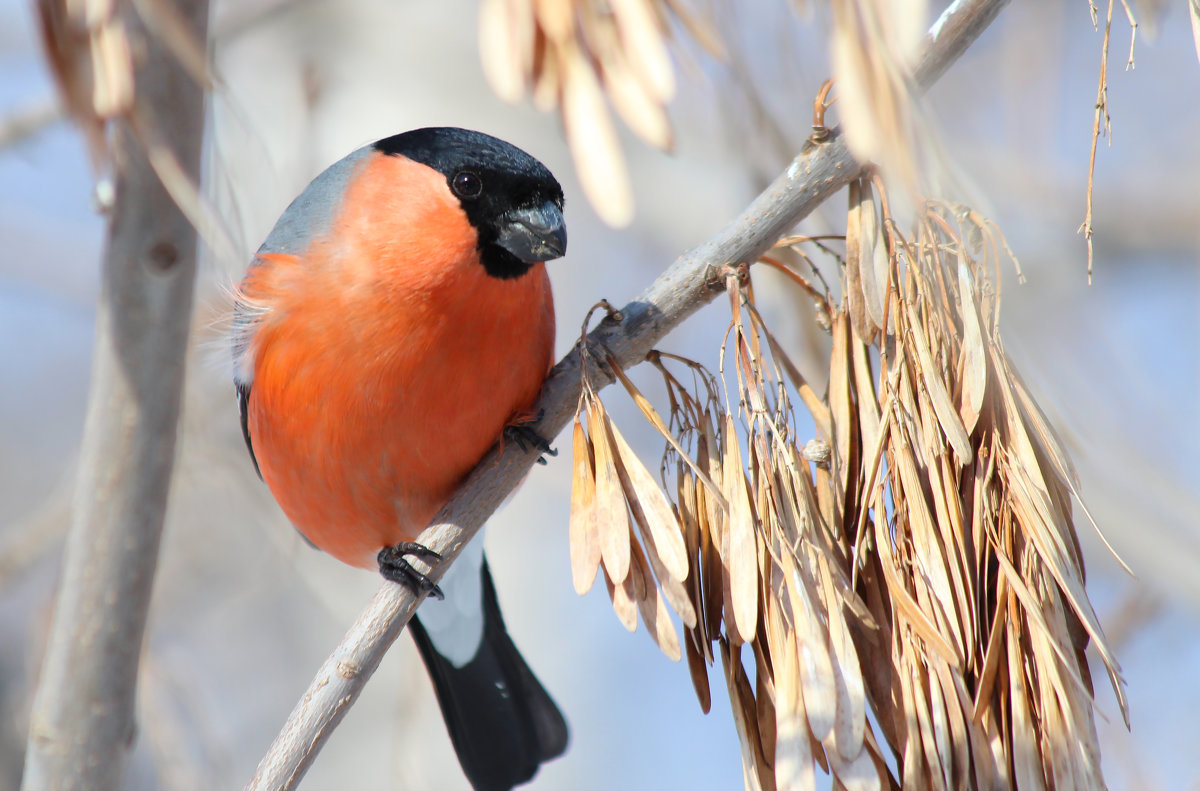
point(917, 558)
point(94, 48)
point(572, 54)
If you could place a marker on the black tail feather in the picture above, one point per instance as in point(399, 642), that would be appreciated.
point(502, 722)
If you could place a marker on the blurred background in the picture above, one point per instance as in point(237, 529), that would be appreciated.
point(244, 613)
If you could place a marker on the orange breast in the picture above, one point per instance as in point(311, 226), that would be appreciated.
point(387, 362)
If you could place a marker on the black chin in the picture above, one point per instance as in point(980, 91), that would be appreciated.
point(502, 264)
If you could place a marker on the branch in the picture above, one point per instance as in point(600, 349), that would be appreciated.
point(39, 535)
point(82, 724)
point(689, 284)
point(25, 122)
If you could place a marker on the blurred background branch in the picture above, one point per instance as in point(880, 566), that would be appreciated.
point(82, 726)
point(25, 122)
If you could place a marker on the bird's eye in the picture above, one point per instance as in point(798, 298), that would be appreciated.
point(466, 184)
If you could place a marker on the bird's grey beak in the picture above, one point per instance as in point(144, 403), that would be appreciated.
point(534, 235)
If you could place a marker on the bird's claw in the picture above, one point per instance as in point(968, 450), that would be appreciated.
point(396, 568)
point(524, 436)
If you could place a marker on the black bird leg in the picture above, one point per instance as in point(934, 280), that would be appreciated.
point(396, 568)
point(524, 436)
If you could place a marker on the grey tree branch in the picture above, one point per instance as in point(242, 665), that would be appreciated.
point(82, 725)
point(690, 283)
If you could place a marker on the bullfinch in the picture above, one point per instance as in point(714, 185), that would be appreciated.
point(395, 322)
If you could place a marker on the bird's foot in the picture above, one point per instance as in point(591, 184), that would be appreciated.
point(395, 567)
point(521, 433)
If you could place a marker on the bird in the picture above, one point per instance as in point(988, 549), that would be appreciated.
point(395, 324)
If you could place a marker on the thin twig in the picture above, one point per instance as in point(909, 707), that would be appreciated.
point(37, 536)
point(1101, 111)
point(82, 724)
point(685, 287)
point(1130, 65)
point(796, 278)
point(25, 122)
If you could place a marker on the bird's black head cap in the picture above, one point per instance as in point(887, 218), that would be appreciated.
point(500, 187)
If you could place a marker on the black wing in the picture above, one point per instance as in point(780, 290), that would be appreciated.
point(243, 397)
